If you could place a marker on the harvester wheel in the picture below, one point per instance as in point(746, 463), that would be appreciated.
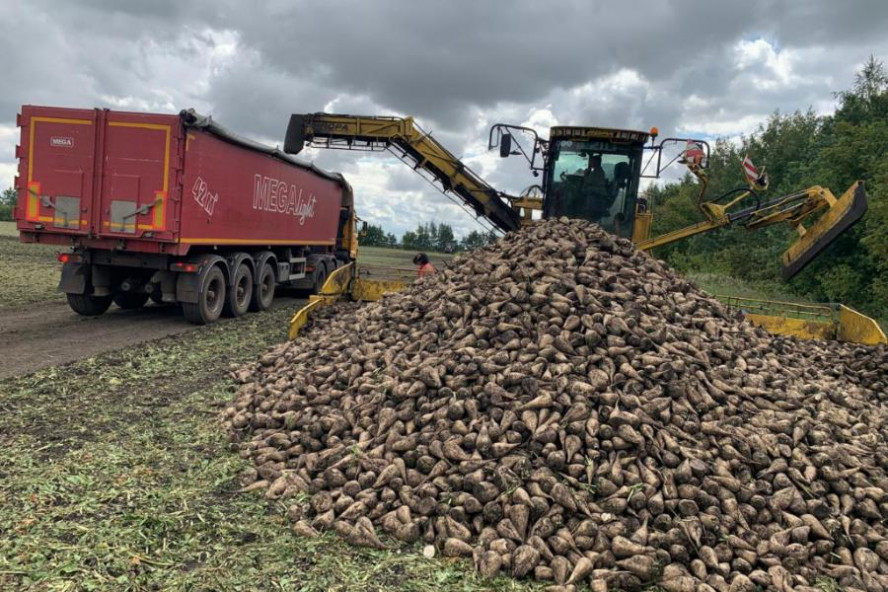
point(263, 292)
point(88, 305)
point(240, 292)
point(130, 300)
point(210, 298)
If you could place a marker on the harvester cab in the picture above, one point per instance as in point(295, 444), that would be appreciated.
point(591, 173)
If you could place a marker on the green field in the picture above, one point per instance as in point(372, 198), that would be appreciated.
point(721, 285)
point(28, 273)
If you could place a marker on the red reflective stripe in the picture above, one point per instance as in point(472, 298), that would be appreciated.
point(750, 170)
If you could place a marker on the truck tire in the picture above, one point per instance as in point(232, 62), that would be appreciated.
point(130, 300)
point(320, 278)
point(210, 298)
point(88, 305)
point(263, 292)
point(240, 292)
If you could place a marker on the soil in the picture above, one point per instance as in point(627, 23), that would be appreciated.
point(47, 334)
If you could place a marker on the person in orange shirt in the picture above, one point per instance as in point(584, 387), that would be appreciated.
point(425, 266)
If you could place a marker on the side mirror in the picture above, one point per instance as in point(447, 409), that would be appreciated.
point(505, 145)
point(363, 227)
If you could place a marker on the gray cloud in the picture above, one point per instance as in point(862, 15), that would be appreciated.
point(687, 66)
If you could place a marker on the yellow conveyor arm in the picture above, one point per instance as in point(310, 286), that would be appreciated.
point(405, 138)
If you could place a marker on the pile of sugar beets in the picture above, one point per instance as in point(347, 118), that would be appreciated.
point(561, 406)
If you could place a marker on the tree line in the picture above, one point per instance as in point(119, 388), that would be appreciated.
point(426, 237)
point(800, 150)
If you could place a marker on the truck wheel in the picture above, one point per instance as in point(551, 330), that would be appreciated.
point(320, 278)
point(241, 292)
point(88, 305)
point(210, 298)
point(130, 300)
point(263, 293)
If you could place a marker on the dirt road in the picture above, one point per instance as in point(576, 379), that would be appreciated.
point(49, 334)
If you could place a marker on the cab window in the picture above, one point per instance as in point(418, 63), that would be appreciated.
point(593, 181)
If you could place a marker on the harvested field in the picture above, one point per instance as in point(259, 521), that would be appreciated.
point(394, 264)
point(28, 273)
point(560, 406)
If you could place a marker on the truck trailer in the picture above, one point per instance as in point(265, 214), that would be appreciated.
point(175, 208)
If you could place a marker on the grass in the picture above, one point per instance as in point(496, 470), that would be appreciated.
point(723, 285)
point(115, 473)
point(726, 286)
point(28, 273)
point(383, 263)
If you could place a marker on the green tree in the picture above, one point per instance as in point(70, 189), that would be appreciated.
point(446, 239)
point(374, 236)
point(423, 240)
point(8, 197)
point(7, 203)
point(410, 241)
point(476, 240)
point(432, 230)
point(800, 150)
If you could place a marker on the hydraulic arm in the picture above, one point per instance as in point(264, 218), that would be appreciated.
point(793, 208)
point(408, 141)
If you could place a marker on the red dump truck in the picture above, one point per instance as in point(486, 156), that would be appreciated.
point(177, 209)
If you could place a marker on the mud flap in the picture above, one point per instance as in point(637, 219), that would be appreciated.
point(839, 218)
point(74, 278)
point(188, 287)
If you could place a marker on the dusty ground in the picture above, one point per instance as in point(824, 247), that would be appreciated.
point(47, 334)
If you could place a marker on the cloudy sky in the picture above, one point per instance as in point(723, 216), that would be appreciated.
point(703, 68)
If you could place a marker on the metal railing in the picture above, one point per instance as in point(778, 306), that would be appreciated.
point(823, 312)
